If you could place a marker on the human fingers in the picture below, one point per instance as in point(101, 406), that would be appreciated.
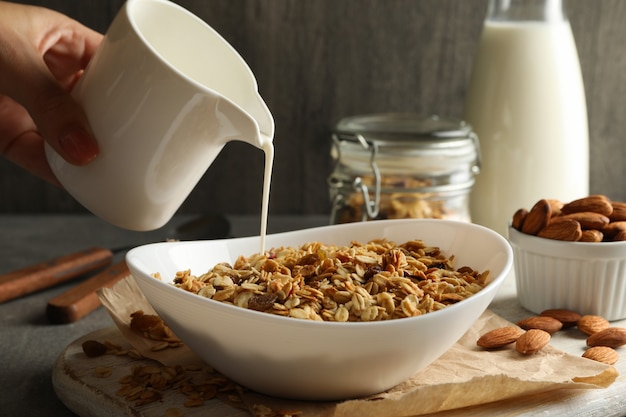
point(59, 119)
point(21, 142)
point(25, 77)
point(67, 52)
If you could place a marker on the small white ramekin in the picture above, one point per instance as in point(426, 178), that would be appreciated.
point(589, 278)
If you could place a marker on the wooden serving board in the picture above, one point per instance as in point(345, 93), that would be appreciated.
point(78, 386)
point(76, 383)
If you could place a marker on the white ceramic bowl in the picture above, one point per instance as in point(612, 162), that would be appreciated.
point(311, 360)
point(589, 278)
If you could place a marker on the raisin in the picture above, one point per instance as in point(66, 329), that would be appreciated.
point(93, 348)
point(371, 271)
point(262, 302)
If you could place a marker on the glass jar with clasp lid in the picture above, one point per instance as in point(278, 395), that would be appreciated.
point(397, 165)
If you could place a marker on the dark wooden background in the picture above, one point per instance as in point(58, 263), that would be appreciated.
point(319, 60)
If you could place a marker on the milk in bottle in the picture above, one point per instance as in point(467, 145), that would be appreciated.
point(526, 102)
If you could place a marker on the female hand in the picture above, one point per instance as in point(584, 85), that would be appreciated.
point(42, 55)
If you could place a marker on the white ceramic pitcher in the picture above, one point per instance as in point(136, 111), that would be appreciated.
point(164, 93)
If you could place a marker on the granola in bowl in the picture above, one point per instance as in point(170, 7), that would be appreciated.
point(378, 280)
point(321, 359)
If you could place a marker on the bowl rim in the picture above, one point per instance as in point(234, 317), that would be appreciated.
point(493, 285)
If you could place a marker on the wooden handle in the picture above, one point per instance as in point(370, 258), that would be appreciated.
point(82, 299)
point(47, 274)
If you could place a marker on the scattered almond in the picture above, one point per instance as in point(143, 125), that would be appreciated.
point(602, 339)
point(568, 318)
point(532, 341)
point(612, 337)
point(545, 323)
point(499, 337)
point(590, 324)
point(602, 354)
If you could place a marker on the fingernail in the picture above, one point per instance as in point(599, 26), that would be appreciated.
point(79, 147)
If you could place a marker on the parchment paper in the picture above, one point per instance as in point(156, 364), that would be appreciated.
point(465, 375)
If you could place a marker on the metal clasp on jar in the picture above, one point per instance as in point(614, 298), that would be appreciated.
point(371, 205)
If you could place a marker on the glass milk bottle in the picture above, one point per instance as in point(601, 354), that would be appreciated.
point(526, 103)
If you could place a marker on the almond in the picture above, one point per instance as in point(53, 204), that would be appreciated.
point(594, 203)
point(619, 212)
point(591, 236)
point(614, 228)
point(568, 318)
point(590, 324)
point(537, 218)
point(612, 337)
point(499, 337)
point(545, 323)
point(619, 236)
point(588, 219)
point(556, 206)
point(518, 219)
point(561, 228)
point(532, 341)
point(602, 354)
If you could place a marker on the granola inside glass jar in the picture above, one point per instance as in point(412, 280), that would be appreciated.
point(397, 165)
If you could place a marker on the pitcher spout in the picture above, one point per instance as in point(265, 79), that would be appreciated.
point(255, 128)
point(261, 114)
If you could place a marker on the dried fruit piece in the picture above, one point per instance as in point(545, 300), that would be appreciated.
point(545, 323)
point(262, 302)
point(299, 282)
point(602, 354)
point(590, 324)
point(594, 203)
point(499, 337)
point(612, 337)
point(532, 341)
point(568, 318)
point(93, 348)
point(537, 218)
point(562, 228)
